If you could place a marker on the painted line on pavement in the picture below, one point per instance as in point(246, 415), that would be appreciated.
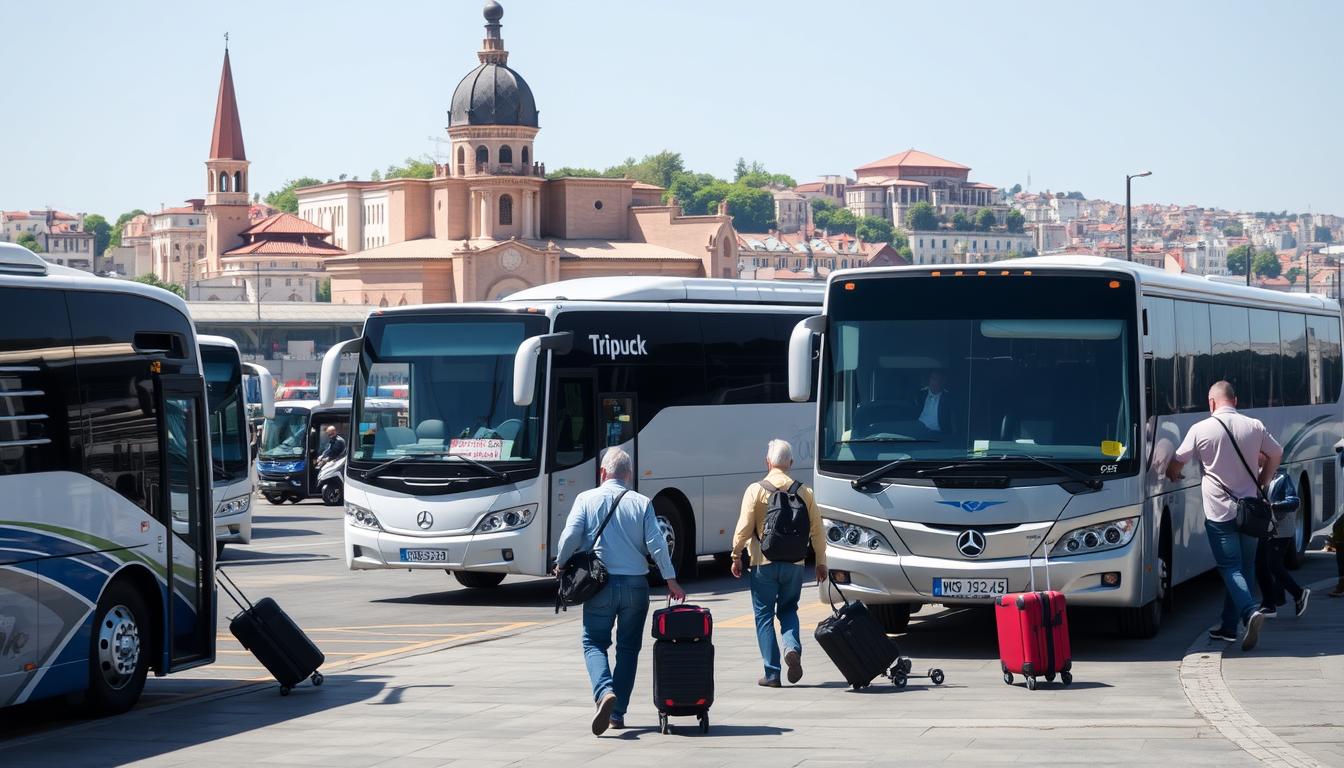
point(806, 612)
point(1202, 680)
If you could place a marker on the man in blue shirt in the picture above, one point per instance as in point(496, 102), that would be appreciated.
point(631, 536)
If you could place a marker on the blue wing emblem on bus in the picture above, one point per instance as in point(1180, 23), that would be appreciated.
point(972, 506)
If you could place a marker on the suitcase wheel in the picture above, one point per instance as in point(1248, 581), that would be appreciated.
point(1066, 677)
point(1008, 678)
point(1050, 677)
point(319, 678)
point(284, 690)
point(663, 727)
point(1031, 683)
point(903, 665)
point(704, 722)
point(899, 679)
point(936, 675)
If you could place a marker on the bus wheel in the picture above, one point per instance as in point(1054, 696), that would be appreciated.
point(1143, 622)
point(1297, 555)
point(478, 580)
point(894, 617)
point(275, 498)
point(680, 547)
point(118, 651)
point(293, 498)
point(333, 493)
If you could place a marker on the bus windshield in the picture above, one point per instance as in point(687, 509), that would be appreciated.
point(224, 390)
point(949, 372)
point(284, 436)
point(456, 372)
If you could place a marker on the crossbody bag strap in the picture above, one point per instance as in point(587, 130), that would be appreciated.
point(1254, 478)
point(607, 518)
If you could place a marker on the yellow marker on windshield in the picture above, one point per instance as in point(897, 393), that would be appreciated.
point(1113, 448)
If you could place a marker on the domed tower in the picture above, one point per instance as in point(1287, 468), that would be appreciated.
point(492, 123)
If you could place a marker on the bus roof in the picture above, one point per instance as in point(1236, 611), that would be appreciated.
point(23, 268)
point(1204, 287)
point(700, 290)
point(205, 339)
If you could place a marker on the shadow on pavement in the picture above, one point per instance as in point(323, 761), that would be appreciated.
point(692, 729)
point(266, 532)
point(240, 555)
point(268, 519)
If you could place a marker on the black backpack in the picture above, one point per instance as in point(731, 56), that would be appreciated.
point(584, 574)
point(787, 525)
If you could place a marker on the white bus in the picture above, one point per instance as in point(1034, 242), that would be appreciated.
point(511, 404)
point(230, 435)
point(1067, 383)
point(106, 546)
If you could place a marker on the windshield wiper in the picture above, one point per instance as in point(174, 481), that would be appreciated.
point(888, 439)
point(862, 481)
point(373, 471)
point(1089, 482)
point(495, 473)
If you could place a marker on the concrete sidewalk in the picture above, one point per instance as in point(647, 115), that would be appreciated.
point(524, 700)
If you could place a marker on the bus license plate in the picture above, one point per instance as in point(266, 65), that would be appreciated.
point(424, 555)
point(986, 588)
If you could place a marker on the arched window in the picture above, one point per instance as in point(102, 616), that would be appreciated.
point(238, 182)
point(482, 155)
point(505, 209)
point(526, 156)
point(223, 181)
point(200, 251)
point(461, 161)
point(506, 155)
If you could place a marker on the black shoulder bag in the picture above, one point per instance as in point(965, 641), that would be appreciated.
point(1255, 515)
point(584, 574)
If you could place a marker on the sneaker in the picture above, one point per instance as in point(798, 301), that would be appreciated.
point(1269, 613)
point(617, 722)
point(768, 682)
point(602, 720)
point(1218, 634)
point(1338, 590)
point(1252, 635)
point(794, 661)
point(1300, 604)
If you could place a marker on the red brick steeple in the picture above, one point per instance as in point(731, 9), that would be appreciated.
point(227, 141)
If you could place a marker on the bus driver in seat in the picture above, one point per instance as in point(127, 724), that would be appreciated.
point(935, 405)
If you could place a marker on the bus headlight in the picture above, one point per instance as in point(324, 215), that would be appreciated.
point(234, 506)
point(850, 536)
point(506, 520)
point(361, 517)
point(1096, 538)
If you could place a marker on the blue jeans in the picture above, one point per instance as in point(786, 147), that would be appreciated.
point(775, 589)
point(1235, 555)
point(623, 603)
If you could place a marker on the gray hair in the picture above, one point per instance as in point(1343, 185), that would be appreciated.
point(779, 454)
point(616, 463)
point(1222, 390)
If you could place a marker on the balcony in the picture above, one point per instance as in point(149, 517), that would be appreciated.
point(536, 170)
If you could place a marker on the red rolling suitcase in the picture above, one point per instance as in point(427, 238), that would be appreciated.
point(683, 664)
point(682, 622)
point(1034, 634)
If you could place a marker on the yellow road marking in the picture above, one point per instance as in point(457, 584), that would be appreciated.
point(806, 613)
point(414, 626)
point(431, 643)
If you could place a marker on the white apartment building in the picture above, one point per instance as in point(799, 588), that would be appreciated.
point(177, 242)
point(945, 246)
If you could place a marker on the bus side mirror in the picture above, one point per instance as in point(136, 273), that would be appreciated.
point(267, 386)
point(525, 362)
point(331, 369)
point(800, 357)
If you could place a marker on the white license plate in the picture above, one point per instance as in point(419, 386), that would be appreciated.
point(959, 587)
point(424, 555)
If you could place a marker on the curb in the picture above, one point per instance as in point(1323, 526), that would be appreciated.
point(1202, 680)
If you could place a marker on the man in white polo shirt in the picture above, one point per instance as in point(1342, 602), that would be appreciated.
point(1211, 444)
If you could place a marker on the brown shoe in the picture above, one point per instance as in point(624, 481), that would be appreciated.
point(1338, 590)
point(768, 682)
point(794, 661)
point(602, 719)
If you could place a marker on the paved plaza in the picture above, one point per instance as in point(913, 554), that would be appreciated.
point(424, 673)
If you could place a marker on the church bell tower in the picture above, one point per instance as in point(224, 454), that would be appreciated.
point(227, 187)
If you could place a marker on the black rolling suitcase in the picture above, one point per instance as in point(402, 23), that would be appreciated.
point(683, 664)
point(856, 643)
point(274, 638)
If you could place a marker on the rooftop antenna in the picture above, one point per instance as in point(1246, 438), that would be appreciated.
point(226, 42)
point(439, 141)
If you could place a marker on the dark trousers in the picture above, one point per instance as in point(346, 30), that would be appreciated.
point(1271, 573)
point(1339, 560)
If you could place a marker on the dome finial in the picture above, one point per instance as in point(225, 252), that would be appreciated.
point(493, 12)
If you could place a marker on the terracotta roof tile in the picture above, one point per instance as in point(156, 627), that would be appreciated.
point(915, 158)
point(306, 247)
point(284, 223)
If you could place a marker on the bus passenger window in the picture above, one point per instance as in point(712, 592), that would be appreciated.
point(574, 442)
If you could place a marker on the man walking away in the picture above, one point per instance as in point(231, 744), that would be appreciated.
point(1216, 443)
point(335, 446)
point(630, 537)
point(1270, 571)
point(778, 519)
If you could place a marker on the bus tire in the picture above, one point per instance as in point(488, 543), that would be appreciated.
point(1144, 621)
point(478, 579)
point(681, 545)
point(275, 498)
point(1297, 554)
point(894, 617)
point(119, 650)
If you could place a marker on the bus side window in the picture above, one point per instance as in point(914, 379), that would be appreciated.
point(1193, 356)
point(1296, 380)
point(34, 435)
point(1230, 330)
point(1162, 340)
point(574, 442)
point(1266, 388)
point(1323, 347)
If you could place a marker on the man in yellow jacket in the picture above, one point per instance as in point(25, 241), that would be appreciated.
point(776, 587)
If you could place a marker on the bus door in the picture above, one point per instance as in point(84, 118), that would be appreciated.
point(616, 428)
point(573, 447)
point(191, 546)
point(317, 441)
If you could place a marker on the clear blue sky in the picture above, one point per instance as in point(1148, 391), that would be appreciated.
point(1229, 103)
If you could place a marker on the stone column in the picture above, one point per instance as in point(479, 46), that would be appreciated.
point(527, 214)
point(487, 221)
point(536, 214)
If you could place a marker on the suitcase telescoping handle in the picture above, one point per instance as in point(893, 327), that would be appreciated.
point(1031, 568)
point(235, 594)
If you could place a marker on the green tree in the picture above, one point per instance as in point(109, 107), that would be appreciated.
point(570, 172)
point(686, 187)
point(150, 279)
point(756, 175)
point(875, 229)
point(97, 225)
point(985, 220)
point(29, 241)
point(1015, 221)
point(659, 169)
point(1292, 275)
point(413, 168)
point(1266, 264)
point(1323, 235)
point(115, 240)
point(1236, 259)
point(1016, 189)
point(1234, 229)
point(832, 218)
point(324, 290)
point(1075, 196)
point(753, 210)
point(961, 222)
point(284, 199)
point(921, 216)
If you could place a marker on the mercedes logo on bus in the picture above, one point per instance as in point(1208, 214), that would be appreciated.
point(424, 519)
point(971, 543)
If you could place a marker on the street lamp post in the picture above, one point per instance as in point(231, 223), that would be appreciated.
point(1129, 219)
